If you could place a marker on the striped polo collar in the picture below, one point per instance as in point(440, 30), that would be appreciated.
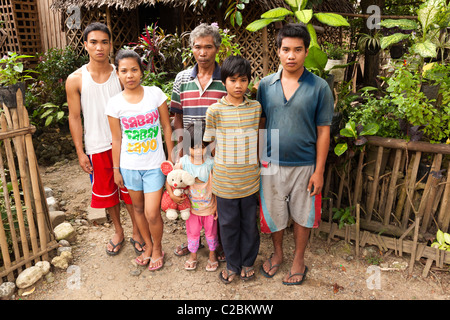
point(215, 76)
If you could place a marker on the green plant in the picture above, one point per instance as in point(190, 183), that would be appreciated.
point(12, 70)
point(45, 97)
point(344, 216)
point(9, 219)
point(354, 136)
point(442, 240)
point(227, 47)
point(149, 46)
point(413, 107)
point(379, 110)
point(433, 16)
point(234, 11)
point(333, 51)
point(50, 113)
point(161, 80)
point(369, 43)
point(301, 11)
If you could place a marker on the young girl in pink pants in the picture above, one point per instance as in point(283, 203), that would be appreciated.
point(203, 202)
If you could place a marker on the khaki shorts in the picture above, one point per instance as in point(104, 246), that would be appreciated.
point(284, 195)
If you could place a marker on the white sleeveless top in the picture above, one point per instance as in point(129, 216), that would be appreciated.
point(94, 98)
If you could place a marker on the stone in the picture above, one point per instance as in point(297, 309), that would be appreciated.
point(64, 231)
point(63, 249)
point(28, 277)
point(50, 277)
point(7, 290)
point(57, 217)
point(62, 261)
point(64, 243)
point(96, 215)
point(44, 265)
point(52, 204)
point(48, 192)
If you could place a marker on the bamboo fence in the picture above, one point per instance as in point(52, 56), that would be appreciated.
point(25, 232)
point(400, 198)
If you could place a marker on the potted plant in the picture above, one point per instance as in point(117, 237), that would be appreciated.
point(369, 43)
point(433, 16)
point(12, 77)
point(336, 63)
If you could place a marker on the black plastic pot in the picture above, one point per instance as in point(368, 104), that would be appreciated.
point(8, 94)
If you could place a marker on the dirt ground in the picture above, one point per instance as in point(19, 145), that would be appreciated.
point(335, 273)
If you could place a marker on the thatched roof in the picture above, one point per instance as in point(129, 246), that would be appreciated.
point(327, 5)
point(132, 4)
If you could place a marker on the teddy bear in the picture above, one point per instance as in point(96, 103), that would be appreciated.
point(179, 180)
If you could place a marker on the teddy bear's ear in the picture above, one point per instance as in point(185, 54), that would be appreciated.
point(166, 167)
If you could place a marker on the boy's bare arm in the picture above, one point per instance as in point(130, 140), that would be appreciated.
point(73, 89)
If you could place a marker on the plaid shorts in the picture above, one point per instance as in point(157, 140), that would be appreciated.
point(283, 194)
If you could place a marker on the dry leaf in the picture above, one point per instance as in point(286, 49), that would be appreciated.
point(26, 293)
point(336, 288)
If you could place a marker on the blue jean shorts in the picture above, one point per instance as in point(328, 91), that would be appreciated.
point(143, 180)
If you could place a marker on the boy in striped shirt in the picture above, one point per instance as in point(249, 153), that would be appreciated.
point(233, 123)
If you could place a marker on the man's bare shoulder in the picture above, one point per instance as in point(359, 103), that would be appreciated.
point(74, 79)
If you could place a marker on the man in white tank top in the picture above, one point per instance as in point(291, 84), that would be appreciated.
point(88, 90)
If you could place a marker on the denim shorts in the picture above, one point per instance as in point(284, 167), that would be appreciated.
point(143, 180)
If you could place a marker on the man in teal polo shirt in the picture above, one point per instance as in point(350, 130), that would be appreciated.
point(297, 112)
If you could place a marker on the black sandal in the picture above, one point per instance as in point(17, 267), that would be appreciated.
point(296, 283)
point(142, 245)
point(229, 274)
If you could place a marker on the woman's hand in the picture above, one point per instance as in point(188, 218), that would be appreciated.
point(118, 179)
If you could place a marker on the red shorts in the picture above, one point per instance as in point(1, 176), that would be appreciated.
point(105, 193)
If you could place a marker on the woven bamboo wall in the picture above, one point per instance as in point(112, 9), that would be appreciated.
point(257, 47)
point(21, 23)
point(124, 26)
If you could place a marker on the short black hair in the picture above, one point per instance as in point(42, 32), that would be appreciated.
point(235, 65)
point(122, 54)
point(96, 26)
point(294, 30)
point(196, 130)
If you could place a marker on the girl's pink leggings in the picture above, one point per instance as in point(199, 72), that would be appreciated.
point(193, 227)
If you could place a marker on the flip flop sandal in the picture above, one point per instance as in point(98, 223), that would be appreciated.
point(144, 262)
point(141, 245)
point(296, 274)
point(192, 265)
point(267, 274)
point(184, 249)
point(114, 253)
point(246, 271)
point(153, 261)
point(213, 266)
point(229, 274)
point(221, 256)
